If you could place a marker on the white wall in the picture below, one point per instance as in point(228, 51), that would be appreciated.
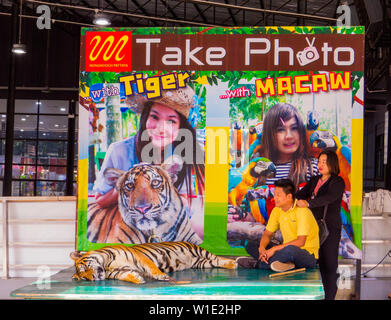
point(39, 245)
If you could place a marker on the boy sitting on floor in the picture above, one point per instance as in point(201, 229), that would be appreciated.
point(299, 231)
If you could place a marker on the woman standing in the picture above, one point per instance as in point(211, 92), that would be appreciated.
point(326, 190)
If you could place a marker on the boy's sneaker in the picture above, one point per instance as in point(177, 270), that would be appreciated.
point(246, 262)
point(278, 266)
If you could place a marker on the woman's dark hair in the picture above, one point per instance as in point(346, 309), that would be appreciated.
point(188, 169)
point(301, 159)
point(287, 185)
point(332, 161)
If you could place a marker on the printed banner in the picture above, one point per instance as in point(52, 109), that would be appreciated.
point(179, 119)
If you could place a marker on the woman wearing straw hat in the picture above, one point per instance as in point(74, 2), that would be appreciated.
point(162, 121)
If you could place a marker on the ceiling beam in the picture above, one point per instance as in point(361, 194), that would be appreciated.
point(274, 12)
point(165, 20)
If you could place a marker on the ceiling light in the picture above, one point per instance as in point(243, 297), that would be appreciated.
point(19, 48)
point(101, 19)
point(23, 119)
point(62, 109)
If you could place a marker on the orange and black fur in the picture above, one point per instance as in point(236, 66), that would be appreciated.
point(149, 209)
point(148, 260)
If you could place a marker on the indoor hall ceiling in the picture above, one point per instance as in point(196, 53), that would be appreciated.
point(70, 15)
point(138, 13)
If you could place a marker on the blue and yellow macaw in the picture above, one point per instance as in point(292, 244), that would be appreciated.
point(257, 170)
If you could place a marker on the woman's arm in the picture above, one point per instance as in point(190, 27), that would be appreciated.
point(335, 189)
point(306, 191)
point(108, 199)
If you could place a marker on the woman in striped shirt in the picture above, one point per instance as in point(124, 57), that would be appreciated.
point(285, 143)
point(283, 169)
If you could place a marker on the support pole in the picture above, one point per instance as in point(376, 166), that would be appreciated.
point(71, 147)
point(9, 135)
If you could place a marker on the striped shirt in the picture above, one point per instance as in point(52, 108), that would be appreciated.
point(283, 171)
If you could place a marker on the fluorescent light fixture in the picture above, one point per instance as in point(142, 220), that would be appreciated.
point(19, 48)
point(101, 19)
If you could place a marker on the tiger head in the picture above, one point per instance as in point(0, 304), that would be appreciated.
point(88, 266)
point(146, 194)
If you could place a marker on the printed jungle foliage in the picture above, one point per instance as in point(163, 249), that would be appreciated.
point(236, 30)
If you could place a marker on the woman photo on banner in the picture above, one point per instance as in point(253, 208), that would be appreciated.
point(165, 139)
point(285, 144)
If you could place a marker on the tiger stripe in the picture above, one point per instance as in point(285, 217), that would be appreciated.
point(165, 220)
point(149, 260)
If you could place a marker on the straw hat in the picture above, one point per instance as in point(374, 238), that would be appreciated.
point(181, 100)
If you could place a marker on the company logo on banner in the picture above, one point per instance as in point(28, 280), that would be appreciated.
point(108, 51)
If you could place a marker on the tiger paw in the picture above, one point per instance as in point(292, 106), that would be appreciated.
point(132, 276)
point(228, 263)
point(164, 277)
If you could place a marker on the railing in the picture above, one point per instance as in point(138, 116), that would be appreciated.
point(6, 221)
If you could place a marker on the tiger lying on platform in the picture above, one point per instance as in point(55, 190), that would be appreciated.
point(149, 208)
point(149, 260)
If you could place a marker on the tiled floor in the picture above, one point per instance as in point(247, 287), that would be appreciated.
point(7, 286)
point(375, 288)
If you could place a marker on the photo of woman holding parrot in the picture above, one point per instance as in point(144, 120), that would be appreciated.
point(286, 143)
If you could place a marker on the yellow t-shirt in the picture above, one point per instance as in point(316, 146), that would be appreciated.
point(293, 223)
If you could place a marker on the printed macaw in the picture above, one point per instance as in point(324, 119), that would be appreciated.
point(326, 140)
point(261, 202)
point(312, 121)
point(311, 126)
point(258, 170)
point(252, 135)
point(237, 142)
point(254, 151)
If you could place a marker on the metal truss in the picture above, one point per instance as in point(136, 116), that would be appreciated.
point(227, 13)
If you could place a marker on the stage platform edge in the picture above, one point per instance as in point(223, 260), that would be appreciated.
point(209, 284)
